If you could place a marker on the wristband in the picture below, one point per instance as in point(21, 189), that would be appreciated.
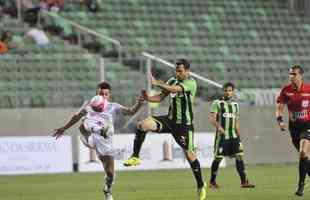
point(279, 119)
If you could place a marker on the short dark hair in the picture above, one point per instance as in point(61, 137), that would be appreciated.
point(301, 70)
point(229, 84)
point(184, 62)
point(104, 85)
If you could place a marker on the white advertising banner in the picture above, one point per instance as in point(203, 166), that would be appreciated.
point(159, 151)
point(29, 155)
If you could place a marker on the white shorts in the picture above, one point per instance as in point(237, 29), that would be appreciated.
point(103, 145)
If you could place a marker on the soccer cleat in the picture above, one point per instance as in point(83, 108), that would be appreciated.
point(108, 195)
point(202, 193)
point(133, 161)
point(246, 184)
point(213, 185)
point(300, 190)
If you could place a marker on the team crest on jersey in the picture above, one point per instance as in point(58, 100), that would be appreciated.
point(305, 103)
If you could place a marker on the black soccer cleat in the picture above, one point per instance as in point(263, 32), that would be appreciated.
point(300, 190)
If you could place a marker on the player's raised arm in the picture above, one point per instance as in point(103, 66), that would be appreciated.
point(73, 120)
point(155, 98)
point(133, 109)
point(166, 87)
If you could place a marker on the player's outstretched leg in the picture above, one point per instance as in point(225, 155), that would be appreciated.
point(84, 137)
point(202, 193)
point(134, 160)
point(196, 169)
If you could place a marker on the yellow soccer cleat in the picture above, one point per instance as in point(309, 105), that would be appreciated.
point(133, 161)
point(202, 193)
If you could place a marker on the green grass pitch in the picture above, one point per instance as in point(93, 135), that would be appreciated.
point(272, 182)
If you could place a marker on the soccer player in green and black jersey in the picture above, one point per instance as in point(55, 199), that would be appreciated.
point(179, 121)
point(224, 116)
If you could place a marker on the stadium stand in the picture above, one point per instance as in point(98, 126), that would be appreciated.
point(222, 38)
point(61, 75)
point(252, 43)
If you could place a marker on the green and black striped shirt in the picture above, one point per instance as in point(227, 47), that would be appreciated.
point(227, 114)
point(181, 103)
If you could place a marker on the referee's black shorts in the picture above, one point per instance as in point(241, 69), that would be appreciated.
point(298, 131)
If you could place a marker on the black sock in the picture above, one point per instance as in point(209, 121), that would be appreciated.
point(308, 167)
point(137, 144)
point(303, 169)
point(214, 169)
point(195, 165)
point(241, 170)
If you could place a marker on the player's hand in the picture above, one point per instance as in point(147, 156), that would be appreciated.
point(59, 132)
point(282, 126)
point(221, 131)
point(140, 100)
point(144, 95)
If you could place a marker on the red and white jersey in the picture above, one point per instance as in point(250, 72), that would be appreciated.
point(297, 101)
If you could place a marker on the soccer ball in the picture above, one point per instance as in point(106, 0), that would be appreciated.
point(98, 103)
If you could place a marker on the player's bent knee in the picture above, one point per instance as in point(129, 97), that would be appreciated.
point(143, 126)
point(147, 125)
point(83, 131)
point(191, 155)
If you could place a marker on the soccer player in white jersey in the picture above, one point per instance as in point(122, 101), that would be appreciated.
point(98, 134)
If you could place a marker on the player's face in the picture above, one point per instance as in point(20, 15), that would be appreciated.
point(181, 73)
point(295, 76)
point(228, 92)
point(105, 93)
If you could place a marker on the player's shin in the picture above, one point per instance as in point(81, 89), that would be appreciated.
point(109, 180)
point(214, 169)
point(138, 141)
point(241, 170)
point(195, 165)
point(303, 169)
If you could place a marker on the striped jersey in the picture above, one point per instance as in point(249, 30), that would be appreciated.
point(181, 103)
point(227, 114)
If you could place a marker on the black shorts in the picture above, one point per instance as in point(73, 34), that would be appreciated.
point(183, 134)
point(298, 131)
point(227, 147)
